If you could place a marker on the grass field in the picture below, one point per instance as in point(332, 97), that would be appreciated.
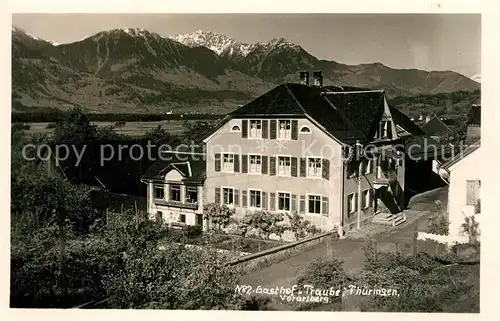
point(133, 129)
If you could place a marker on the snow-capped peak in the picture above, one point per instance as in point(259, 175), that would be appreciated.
point(216, 42)
point(476, 78)
point(221, 44)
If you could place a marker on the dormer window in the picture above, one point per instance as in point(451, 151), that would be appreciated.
point(236, 128)
point(305, 130)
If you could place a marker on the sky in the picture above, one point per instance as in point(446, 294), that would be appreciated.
point(421, 41)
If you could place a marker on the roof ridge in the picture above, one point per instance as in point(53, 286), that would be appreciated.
point(295, 98)
point(330, 92)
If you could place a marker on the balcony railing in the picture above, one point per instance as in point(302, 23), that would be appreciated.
point(177, 204)
point(389, 177)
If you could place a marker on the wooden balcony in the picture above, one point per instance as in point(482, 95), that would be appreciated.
point(192, 206)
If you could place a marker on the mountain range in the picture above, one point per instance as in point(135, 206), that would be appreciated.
point(135, 70)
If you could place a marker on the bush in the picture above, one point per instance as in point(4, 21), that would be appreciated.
point(265, 223)
point(438, 224)
point(50, 126)
point(193, 231)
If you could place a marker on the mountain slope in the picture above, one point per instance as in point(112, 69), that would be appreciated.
point(133, 69)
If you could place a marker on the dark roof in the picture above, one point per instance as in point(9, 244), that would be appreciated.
point(474, 116)
point(461, 155)
point(425, 148)
point(435, 127)
point(190, 165)
point(348, 113)
point(403, 121)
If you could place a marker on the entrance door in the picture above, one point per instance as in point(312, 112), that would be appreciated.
point(199, 219)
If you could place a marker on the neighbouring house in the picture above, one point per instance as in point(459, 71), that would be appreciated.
point(287, 150)
point(473, 124)
point(464, 172)
point(440, 127)
point(175, 192)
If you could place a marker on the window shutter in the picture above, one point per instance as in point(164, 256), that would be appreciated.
point(363, 199)
point(272, 201)
point(293, 165)
point(272, 165)
point(264, 165)
point(325, 206)
point(244, 128)
point(264, 201)
point(470, 192)
point(244, 198)
point(355, 201)
point(236, 163)
point(325, 168)
point(293, 200)
point(295, 129)
point(272, 129)
point(244, 163)
point(303, 167)
point(265, 128)
point(302, 205)
point(372, 197)
point(236, 197)
point(389, 129)
point(217, 162)
point(217, 195)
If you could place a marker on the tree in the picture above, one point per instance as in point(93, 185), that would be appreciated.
point(265, 223)
point(195, 130)
point(74, 128)
point(218, 215)
point(159, 136)
point(300, 226)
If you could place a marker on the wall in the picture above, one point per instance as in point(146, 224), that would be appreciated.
point(468, 168)
point(351, 186)
point(316, 143)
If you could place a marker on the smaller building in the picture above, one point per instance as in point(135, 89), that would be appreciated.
point(440, 127)
point(464, 172)
point(175, 190)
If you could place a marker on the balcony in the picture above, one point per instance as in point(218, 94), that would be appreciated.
point(191, 206)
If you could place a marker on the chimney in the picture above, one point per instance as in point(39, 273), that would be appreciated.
point(317, 79)
point(304, 78)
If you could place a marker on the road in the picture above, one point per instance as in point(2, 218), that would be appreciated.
point(350, 250)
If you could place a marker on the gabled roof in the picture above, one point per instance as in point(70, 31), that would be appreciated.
point(347, 113)
point(474, 116)
point(458, 157)
point(435, 127)
point(404, 122)
point(190, 165)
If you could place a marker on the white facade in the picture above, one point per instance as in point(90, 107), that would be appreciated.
point(464, 190)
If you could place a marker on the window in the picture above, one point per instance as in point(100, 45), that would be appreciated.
point(255, 129)
point(175, 193)
point(255, 165)
point(159, 217)
point(305, 130)
point(351, 203)
point(284, 201)
point(314, 167)
point(285, 129)
point(159, 192)
point(182, 218)
point(228, 196)
point(228, 162)
point(191, 194)
point(236, 128)
point(284, 165)
point(367, 196)
point(472, 191)
point(255, 198)
point(385, 128)
point(314, 204)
